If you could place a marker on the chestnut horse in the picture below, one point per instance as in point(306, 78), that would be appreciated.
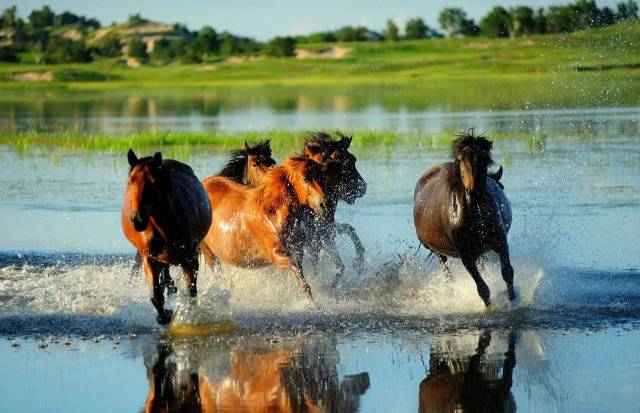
point(165, 215)
point(460, 211)
point(344, 183)
point(261, 226)
point(246, 166)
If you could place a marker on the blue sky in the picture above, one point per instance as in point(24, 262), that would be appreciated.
point(265, 19)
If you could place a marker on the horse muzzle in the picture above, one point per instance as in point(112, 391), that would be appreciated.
point(321, 209)
point(139, 224)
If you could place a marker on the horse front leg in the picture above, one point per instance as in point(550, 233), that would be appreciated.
point(358, 261)
point(469, 263)
point(283, 261)
point(502, 248)
point(152, 270)
point(190, 270)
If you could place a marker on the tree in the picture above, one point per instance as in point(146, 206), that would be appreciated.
point(62, 50)
point(9, 17)
point(280, 47)
point(8, 54)
point(109, 46)
point(607, 17)
point(560, 19)
point(136, 20)
point(455, 23)
point(206, 43)
point(415, 29)
point(540, 22)
point(496, 24)
point(137, 48)
point(391, 32)
point(39, 19)
point(352, 34)
point(522, 21)
point(627, 10)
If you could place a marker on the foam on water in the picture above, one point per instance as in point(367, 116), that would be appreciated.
point(409, 288)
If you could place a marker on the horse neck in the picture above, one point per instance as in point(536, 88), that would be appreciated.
point(276, 192)
point(164, 216)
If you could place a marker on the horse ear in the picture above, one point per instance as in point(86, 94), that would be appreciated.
point(345, 142)
point(246, 146)
point(132, 158)
point(157, 159)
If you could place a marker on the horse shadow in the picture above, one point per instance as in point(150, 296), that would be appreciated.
point(478, 382)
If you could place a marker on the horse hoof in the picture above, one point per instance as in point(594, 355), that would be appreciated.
point(512, 294)
point(165, 318)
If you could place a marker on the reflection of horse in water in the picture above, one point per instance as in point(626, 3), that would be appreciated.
point(457, 382)
point(251, 378)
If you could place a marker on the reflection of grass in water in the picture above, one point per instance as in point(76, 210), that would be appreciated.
point(181, 143)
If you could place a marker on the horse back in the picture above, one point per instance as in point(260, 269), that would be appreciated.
point(435, 210)
point(188, 201)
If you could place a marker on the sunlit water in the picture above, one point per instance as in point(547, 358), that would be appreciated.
point(76, 326)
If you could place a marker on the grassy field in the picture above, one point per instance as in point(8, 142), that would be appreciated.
point(611, 53)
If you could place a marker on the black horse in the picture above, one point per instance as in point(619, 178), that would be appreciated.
point(345, 183)
point(461, 211)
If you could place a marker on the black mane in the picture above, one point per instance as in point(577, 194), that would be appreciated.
point(234, 168)
point(469, 141)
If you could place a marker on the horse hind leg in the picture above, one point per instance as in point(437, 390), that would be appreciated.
point(190, 269)
point(152, 271)
point(358, 261)
point(505, 267)
point(469, 263)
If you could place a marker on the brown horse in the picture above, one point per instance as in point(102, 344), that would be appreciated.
point(471, 384)
point(248, 165)
point(460, 211)
point(345, 183)
point(165, 215)
point(260, 226)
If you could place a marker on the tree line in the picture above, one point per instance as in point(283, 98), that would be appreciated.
point(60, 38)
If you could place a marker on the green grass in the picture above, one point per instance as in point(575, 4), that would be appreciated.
point(185, 142)
point(611, 53)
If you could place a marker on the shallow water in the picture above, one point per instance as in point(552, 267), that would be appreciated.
point(368, 344)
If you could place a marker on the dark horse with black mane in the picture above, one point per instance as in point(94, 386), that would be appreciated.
point(165, 214)
point(460, 210)
point(345, 183)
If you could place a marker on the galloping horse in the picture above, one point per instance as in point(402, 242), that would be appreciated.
point(343, 183)
point(260, 226)
point(248, 165)
point(461, 211)
point(165, 215)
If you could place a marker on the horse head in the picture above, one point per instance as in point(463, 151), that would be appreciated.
point(343, 179)
point(249, 164)
point(472, 155)
point(144, 186)
point(308, 181)
point(259, 160)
